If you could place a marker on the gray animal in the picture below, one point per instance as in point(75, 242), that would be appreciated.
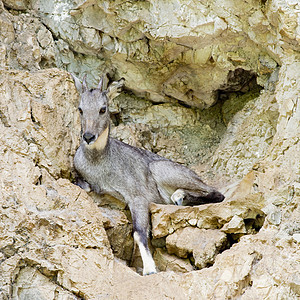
point(133, 175)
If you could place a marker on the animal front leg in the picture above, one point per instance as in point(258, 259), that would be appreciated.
point(148, 262)
point(140, 219)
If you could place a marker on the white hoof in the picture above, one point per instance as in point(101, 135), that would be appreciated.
point(178, 196)
point(149, 271)
point(148, 265)
point(148, 262)
point(84, 185)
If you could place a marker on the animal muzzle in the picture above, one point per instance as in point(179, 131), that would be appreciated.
point(89, 137)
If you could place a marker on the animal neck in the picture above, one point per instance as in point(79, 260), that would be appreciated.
point(100, 145)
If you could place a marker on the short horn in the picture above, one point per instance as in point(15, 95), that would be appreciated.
point(77, 82)
point(84, 84)
point(100, 84)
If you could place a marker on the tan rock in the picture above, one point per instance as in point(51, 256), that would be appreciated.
point(29, 111)
point(168, 218)
point(52, 238)
point(28, 43)
point(17, 5)
point(167, 262)
point(119, 233)
point(7, 28)
point(203, 244)
point(248, 142)
point(28, 285)
point(235, 225)
point(184, 57)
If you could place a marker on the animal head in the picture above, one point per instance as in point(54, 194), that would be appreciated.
point(94, 113)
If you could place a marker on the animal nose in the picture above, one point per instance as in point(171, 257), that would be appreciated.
point(89, 137)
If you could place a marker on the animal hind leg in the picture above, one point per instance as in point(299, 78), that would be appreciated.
point(187, 198)
point(185, 185)
point(172, 175)
point(192, 198)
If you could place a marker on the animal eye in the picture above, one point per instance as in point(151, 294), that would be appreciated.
point(102, 110)
point(80, 110)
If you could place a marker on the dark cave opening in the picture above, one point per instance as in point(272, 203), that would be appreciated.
point(238, 81)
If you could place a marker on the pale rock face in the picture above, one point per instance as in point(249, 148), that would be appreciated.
point(30, 110)
point(242, 203)
point(203, 244)
point(166, 262)
point(243, 144)
point(238, 60)
point(177, 50)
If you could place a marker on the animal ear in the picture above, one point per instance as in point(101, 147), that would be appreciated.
point(81, 87)
point(115, 88)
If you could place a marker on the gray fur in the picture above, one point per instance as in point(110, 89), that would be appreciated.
point(133, 175)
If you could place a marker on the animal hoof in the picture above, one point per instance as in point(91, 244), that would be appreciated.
point(83, 184)
point(215, 197)
point(178, 196)
point(149, 273)
point(179, 201)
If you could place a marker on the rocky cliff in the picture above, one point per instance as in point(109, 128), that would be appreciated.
point(211, 84)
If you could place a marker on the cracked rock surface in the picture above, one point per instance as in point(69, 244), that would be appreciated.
point(213, 85)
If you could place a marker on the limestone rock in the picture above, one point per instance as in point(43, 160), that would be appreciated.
point(167, 262)
point(249, 143)
point(29, 111)
point(61, 235)
point(27, 43)
point(235, 225)
point(28, 284)
point(241, 57)
point(168, 218)
point(184, 55)
point(170, 130)
point(203, 244)
point(241, 271)
point(17, 5)
point(119, 233)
